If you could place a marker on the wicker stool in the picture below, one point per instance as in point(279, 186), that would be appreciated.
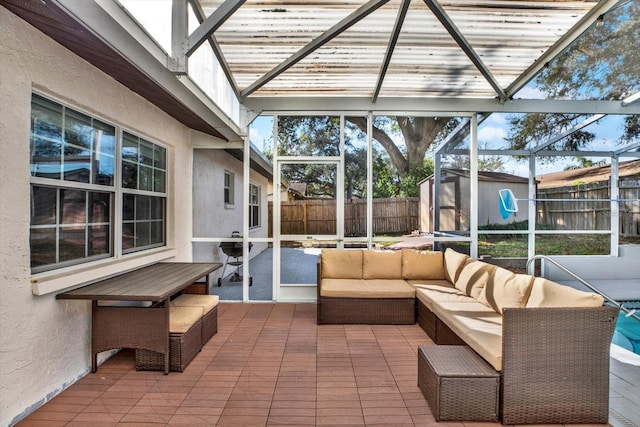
point(185, 341)
point(209, 305)
point(458, 384)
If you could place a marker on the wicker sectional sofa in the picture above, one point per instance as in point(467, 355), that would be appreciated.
point(549, 342)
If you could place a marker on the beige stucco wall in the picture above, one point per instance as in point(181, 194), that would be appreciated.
point(211, 218)
point(44, 342)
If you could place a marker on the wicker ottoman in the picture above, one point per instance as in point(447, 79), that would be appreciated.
point(458, 384)
point(185, 341)
point(209, 305)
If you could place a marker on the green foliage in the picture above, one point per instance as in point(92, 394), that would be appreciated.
point(601, 64)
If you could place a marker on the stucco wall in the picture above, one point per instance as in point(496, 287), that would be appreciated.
point(211, 218)
point(45, 342)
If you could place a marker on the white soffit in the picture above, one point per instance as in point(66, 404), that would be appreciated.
point(508, 36)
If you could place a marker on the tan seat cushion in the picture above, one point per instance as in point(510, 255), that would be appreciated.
point(474, 277)
point(478, 325)
point(430, 294)
point(341, 263)
point(506, 289)
point(430, 282)
point(207, 302)
point(183, 318)
point(545, 293)
point(422, 264)
point(453, 264)
point(373, 288)
point(382, 265)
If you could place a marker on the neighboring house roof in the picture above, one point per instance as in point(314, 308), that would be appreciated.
point(587, 175)
point(484, 176)
point(299, 188)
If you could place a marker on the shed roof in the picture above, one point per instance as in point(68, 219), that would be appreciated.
point(587, 175)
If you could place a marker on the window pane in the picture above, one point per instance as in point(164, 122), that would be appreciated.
point(159, 157)
point(142, 208)
point(129, 175)
point(128, 207)
point(129, 147)
point(78, 130)
point(157, 208)
point(146, 153)
point(158, 181)
point(43, 246)
point(142, 234)
point(99, 240)
point(77, 163)
point(146, 178)
point(105, 151)
point(43, 205)
point(73, 207)
point(99, 207)
point(46, 118)
point(46, 157)
point(128, 236)
point(72, 243)
point(157, 232)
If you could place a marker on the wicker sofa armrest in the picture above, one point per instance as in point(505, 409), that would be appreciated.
point(556, 364)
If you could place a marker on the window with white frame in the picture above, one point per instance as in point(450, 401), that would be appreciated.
point(144, 171)
point(74, 185)
point(228, 188)
point(254, 206)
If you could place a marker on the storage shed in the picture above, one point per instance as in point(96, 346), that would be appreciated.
point(454, 199)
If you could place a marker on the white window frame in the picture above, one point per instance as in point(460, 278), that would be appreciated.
point(254, 204)
point(116, 193)
point(229, 202)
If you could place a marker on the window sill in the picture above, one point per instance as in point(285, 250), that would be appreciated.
point(229, 206)
point(68, 278)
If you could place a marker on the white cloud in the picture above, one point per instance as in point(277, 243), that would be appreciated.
point(491, 133)
point(530, 93)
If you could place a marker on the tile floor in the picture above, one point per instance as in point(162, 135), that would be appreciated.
point(268, 365)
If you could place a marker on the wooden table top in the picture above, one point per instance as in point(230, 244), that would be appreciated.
point(155, 282)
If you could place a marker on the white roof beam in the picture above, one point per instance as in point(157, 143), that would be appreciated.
point(453, 106)
point(217, 51)
point(566, 133)
point(563, 42)
point(631, 99)
point(212, 23)
point(324, 38)
point(453, 30)
point(402, 13)
point(628, 148)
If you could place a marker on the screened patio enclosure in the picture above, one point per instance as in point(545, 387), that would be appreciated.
point(392, 92)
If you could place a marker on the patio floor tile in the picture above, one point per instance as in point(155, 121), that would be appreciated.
point(268, 365)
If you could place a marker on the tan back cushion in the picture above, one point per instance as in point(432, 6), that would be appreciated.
point(506, 289)
point(545, 293)
point(453, 264)
point(422, 265)
point(474, 277)
point(382, 265)
point(342, 264)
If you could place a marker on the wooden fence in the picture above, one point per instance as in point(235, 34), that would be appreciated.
point(390, 216)
point(569, 215)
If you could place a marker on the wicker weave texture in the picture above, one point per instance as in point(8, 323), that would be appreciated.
point(183, 347)
point(556, 365)
point(209, 325)
point(435, 328)
point(371, 311)
point(458, 384)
